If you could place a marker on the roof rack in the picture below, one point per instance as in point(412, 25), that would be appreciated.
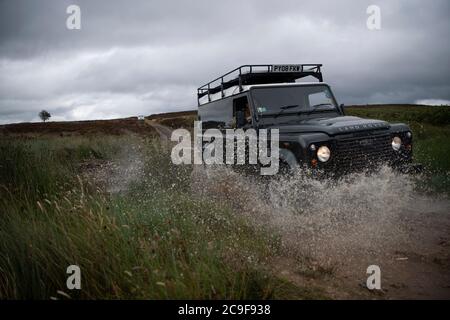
point(258, 74)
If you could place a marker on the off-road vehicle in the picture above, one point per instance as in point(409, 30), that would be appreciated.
point(313, 128)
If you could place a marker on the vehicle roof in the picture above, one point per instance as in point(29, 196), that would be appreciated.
point(245, 88)
point(247, 75)
point(285, 84)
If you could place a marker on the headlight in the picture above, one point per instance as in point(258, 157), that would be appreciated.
point(323, 153)
point(396, 143)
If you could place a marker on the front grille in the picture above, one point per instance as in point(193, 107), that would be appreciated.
point(360, 152)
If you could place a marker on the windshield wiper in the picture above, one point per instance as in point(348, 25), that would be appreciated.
point(314, 108)
point(321, 104)
point(285, 108)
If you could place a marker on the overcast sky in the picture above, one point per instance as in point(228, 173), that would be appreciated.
point(143, 57)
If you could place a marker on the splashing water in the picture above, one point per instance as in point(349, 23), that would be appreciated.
point(342, 225)
point(336, 222)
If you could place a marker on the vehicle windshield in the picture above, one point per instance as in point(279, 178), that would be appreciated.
point(293, 99)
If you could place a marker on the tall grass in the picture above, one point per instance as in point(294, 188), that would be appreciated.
point(153, 241)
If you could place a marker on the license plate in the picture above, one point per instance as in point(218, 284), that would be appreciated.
point(286, 68)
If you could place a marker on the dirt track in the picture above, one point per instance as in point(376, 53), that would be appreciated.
point(163, 131)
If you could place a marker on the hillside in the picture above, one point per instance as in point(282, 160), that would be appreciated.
point(70, 128)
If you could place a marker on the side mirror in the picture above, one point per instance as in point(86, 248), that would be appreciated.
point(240, 119)
point(342, 108)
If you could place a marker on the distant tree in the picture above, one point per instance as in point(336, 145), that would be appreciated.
point(44, 115)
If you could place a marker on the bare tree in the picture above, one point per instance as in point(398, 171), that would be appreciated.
point(44, 115)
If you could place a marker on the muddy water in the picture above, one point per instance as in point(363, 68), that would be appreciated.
point(349, 224)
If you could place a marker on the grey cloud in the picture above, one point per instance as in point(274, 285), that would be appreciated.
point(142, 57)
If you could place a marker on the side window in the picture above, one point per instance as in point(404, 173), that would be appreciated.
point(241, 112)
point(317, 98)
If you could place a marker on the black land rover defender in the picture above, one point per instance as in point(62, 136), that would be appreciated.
point(313, 127)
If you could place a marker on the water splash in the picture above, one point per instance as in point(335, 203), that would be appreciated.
point(357, 218)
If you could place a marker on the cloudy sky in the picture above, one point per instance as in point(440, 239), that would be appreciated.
point(143, 57)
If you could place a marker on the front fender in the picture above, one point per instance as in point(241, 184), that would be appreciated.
point(399, 127)
point(288, 157)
